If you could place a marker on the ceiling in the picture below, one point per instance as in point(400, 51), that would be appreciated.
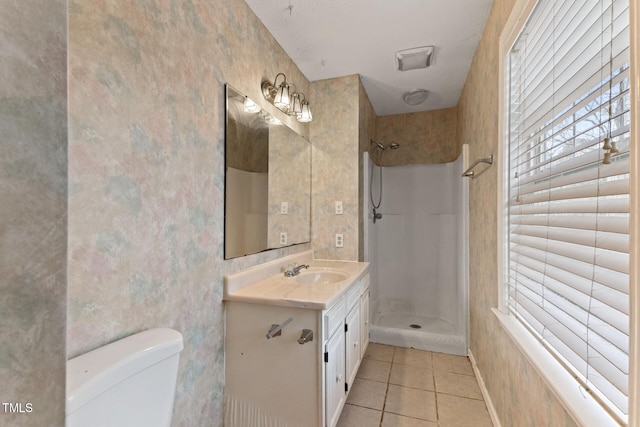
point(334, 38)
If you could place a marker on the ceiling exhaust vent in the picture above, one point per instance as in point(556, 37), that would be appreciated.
point(413, 59)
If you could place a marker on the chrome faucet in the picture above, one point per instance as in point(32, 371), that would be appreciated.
point(295, 270)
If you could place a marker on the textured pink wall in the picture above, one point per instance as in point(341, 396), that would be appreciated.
point(146, 173)
point(334, 165)
point(518, 393)
point(33, 211)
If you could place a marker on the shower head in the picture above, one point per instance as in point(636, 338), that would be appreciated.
point(377, 144)
point(393, 145)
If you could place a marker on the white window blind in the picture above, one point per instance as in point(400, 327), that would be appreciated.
point(568, 212)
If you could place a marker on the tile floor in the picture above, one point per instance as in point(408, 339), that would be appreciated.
point(404, 387)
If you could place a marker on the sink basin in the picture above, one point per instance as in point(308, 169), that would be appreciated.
point(320, 277)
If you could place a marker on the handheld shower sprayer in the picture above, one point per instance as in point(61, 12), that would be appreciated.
point(376, 215)
point(394, 146)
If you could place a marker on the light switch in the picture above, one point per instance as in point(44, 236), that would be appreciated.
point(339, 210)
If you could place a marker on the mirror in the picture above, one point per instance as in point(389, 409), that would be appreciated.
point(267, 180)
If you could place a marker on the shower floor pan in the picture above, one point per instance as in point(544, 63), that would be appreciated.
point(420, 332)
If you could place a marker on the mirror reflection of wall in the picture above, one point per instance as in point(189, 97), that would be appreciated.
point(268, 181)
point(289, 184)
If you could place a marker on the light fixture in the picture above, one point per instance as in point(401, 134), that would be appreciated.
point(282, 99)
point(274, 121)
point(268, 118)
point(278, 95)
point(286, 98)
point(296, 104)
point(305, 115)
point(250, 106)
point(415, 96)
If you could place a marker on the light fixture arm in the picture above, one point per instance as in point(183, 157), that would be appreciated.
point(269, 89)
point(286, 98)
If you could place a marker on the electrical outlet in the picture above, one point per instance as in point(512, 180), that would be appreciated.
point(284, 208)
point(339, 240)
point(339, 210)
point(283, 238)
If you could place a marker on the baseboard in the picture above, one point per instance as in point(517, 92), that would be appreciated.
point(485, 393)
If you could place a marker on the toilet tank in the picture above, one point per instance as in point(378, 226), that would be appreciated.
point(128, 383)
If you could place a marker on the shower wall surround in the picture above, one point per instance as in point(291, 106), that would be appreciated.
point(367, 131)
point(33, 211)
point(146, 175)
point(518, 393)
point(425, 137)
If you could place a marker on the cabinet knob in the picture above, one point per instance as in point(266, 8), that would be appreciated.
point(355, 344)
point(338, 378)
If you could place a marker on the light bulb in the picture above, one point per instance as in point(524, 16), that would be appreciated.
point(250, 106)
point(305, 114)
point(282, 100)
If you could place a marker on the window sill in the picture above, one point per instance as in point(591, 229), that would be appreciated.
point(581, 405)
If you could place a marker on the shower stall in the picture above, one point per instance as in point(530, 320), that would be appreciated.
point(418, 252)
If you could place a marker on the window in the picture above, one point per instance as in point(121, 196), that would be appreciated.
point(567, 225)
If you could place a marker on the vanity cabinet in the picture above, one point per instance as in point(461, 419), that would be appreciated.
point(335, 395)
point(352, 330)
point(279, 381)
point(364, 319)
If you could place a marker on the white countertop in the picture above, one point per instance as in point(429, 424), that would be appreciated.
point(266, 283)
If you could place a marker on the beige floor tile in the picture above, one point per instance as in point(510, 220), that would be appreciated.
point(454, 411)
point(366, 393)
point(379, 352)
point(450, 363)
point(424, 389)
point(411, 402)
point(356, 416)
point(413, 357)
point(412, 376)
point(374, 370)
point(393, 420)
point(457, 384)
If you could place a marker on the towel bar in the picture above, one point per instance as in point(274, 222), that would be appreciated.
point(469, 173)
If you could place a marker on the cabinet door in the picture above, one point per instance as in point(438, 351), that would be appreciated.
point(353, 343)
point(364, 322)
point(334, 378)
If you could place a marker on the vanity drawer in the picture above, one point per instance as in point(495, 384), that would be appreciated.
point(366, 280)
point(353, 294)
point(334, 317)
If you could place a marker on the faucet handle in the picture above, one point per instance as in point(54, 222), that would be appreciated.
point(307, 335)
point(289, 270)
